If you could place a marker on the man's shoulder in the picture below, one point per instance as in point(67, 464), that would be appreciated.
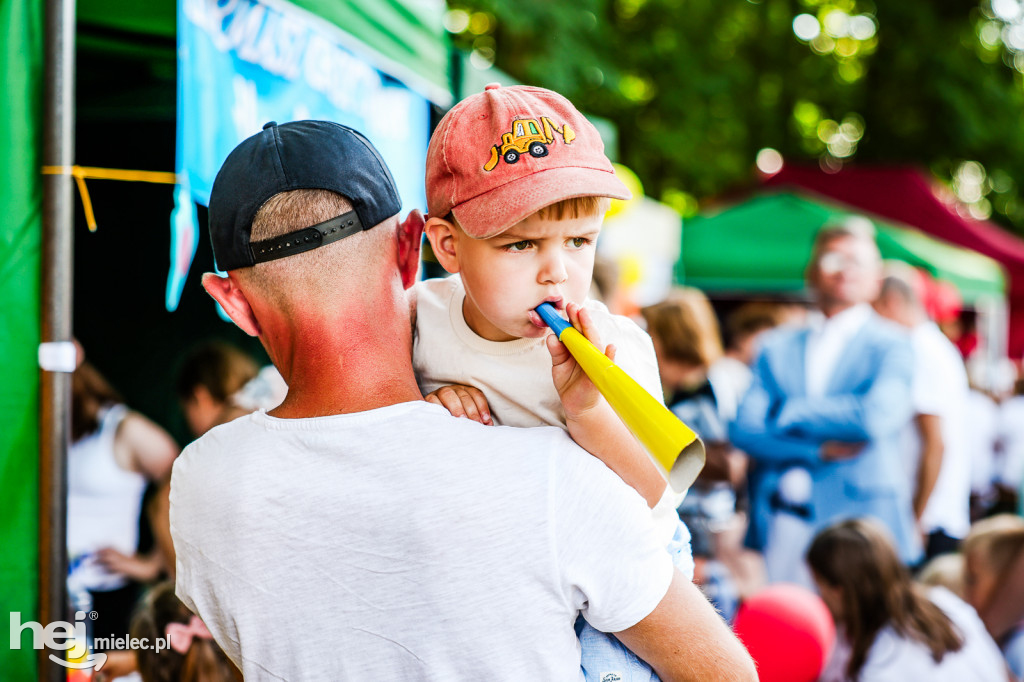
point(525, 452)
point(431, 426)
point(222, 434)
point(213, 450)
point(530, 442)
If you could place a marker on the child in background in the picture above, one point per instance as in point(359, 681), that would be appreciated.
point(207, 381)
point(193, 656)
point(218, 383)
point(990, 551)
point(945, 570)
point(889, 628)
point(517, 187)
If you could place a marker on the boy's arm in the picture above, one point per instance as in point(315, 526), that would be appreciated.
point(462, 401)
point(600, 432)
point(591, 421)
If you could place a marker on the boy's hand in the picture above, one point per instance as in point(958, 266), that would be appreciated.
point(575, 389)
point(462, 401)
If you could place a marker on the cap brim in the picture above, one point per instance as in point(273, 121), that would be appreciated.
point(494, 212)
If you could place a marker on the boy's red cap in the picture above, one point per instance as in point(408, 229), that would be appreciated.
point(500, 156)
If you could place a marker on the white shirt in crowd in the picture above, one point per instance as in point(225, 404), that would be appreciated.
point(826, 343)
point(895, 658)
point(982, 436)
point(939, 388)
point(730, 378)
point(402, 543)
point(1010, 470)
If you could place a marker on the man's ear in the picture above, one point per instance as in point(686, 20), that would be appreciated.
point(410, 238)
point(444, 240)
point(225, 291)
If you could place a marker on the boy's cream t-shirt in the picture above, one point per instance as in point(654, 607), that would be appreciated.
point(515, 376)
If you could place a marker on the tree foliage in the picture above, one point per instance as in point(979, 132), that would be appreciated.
point(698, 87)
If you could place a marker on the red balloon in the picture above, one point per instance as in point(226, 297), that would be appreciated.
point(788, 631)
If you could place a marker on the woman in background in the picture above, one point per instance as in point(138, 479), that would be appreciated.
point(115, 453)
point(887, 627)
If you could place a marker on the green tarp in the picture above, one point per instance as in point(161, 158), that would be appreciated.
point(763, 244)
point(407, 35)
point(21, 62)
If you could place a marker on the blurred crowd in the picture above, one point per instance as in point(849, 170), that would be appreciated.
point(121, 558)
point(847, 451)
point(848, 455)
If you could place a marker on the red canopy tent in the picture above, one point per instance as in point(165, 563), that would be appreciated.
point(907, 195)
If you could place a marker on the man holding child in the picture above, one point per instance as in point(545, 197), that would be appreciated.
point(359, 532)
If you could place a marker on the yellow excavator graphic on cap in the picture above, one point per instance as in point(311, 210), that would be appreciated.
point(528, 135)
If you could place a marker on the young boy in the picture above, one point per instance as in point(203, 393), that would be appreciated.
point(517, 187)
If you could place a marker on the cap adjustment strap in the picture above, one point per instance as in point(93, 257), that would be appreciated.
point(306, 239)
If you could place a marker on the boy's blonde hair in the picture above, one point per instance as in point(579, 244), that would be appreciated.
point(566, 209)
point(576, 207)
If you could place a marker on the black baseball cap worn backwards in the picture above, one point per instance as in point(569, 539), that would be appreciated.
point(297, 155)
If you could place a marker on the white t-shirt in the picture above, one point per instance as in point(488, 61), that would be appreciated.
point(894, 658)
point(1010, 467)
point(405, 544)
point(828, 339)
point(104, 504)
point(940, 388)
point(982, 435)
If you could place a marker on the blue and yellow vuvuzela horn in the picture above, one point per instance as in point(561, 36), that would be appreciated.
point(672, 444)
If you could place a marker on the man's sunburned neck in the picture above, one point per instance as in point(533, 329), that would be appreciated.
point(349, 364)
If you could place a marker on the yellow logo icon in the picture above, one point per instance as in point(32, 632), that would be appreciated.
point(528, 135)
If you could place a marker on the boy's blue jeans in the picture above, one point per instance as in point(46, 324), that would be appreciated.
point(604, 658)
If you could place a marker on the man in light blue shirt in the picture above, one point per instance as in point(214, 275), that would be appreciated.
point(823, 417)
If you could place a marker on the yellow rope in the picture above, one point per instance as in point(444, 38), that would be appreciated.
point(80, 173)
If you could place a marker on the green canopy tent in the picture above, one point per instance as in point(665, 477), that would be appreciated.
point(762, 245)
point(404, 39)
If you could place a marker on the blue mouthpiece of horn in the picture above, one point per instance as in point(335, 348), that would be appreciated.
point(552, 319)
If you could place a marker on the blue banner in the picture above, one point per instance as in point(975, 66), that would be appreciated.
point(242, 63)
